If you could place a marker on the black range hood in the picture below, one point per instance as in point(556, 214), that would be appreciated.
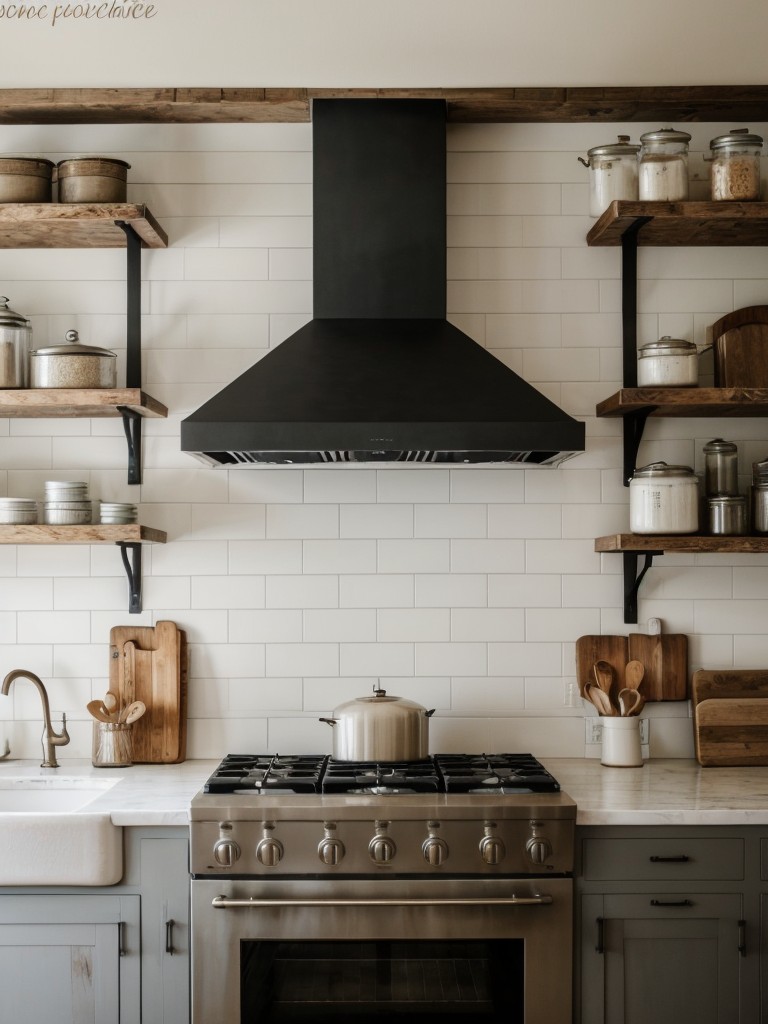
point(379, 375)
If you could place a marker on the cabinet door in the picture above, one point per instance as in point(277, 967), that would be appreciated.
point(165, 930)
point(62, 959)
point(662, 960)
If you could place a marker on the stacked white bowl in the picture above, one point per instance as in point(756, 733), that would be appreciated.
point(117, 512)
point(18, 511)
point(67, 503)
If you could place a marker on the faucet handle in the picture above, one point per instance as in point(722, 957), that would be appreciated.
point(62, 738)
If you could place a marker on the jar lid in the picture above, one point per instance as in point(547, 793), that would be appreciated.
point(665, 135)
point(729, 500)
point(621, 148)
point(668, 346)
point(7, 316)
point(73, 348)
point(662, 469)
point(737, 137)
point(718, 445)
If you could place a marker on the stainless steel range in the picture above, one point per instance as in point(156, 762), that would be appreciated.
point(328, 889)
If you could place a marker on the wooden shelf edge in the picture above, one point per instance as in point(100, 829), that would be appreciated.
point(77, 225)
point(32, 403)
point(684, 223)
point(93, 533)
point(690, 543)
point(686, 402)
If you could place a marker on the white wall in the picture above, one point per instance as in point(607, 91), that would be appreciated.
point(398, 43)
point(464, 589)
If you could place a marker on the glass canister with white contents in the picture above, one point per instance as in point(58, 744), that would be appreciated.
point(668, 363)
point(664, 499)
point(612, 174)
point(735, 168)
point(663, 168)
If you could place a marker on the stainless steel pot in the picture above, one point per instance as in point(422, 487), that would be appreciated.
point(25, 179)
point(73, 366)
point(92, 179)
point(380, 728)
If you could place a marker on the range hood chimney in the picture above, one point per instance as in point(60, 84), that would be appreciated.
point(379, 375)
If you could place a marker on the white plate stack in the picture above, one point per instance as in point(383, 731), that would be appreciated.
point(66, 503)
point(117, 512)
point(18, 511)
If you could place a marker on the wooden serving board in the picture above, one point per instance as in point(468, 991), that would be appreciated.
point(150, 664)
point(665, 659)
point(740, 341)
point(590, 649)
point(731, 731)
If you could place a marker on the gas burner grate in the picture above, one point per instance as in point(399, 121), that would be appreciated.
point(467, 773)
point(440, 773)
point(263, 772)
point(388, 777)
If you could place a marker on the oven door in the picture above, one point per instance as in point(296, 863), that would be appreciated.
point(486, 950)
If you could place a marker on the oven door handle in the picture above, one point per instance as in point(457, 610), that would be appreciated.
point(227, 903)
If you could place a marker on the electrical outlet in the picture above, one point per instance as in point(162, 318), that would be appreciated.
point(594, 730)
point(645, 730)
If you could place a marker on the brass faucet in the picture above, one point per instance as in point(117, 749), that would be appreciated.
point(51, 738)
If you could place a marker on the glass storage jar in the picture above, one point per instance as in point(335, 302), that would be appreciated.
point(612, 174)
point(663, 170)
point(735, 170)
point(15, 341)
point(663, 499)
point(721, 468)
point(668, 363)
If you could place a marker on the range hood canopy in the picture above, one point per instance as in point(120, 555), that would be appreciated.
point(379, 375)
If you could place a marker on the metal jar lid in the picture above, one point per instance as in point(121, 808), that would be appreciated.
point(719, 446)
point(665, 135)
point(7, 316)
point(661, 469)
point(621, 148)
point(726, 501)
point(737, 137)
point(667, 346)
point(73, 348)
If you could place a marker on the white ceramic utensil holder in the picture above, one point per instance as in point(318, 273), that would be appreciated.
point(621, 742)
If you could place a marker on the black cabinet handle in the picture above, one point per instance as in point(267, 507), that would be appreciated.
point(742, 938)
point(600, 947)
point(169, 937)
point(681, 859)
point(671, 903)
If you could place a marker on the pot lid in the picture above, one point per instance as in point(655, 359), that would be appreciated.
point(7, 316)
point(667, 345)
point(662, 469)
point(621, 148)
point(665, 135)
point(737, 137)
point(73, 348)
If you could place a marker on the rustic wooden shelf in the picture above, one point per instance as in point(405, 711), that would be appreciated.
point(667, 224)
point(688, 402)
point(32, 403)
point(77, 226)
point(691, 543)
point(519, 105)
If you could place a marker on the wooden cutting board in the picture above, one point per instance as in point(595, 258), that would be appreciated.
point(729, 686)
point(731, 731)
point(740, 343)
point(665, 659)
point(590, 649)
point(150, 663)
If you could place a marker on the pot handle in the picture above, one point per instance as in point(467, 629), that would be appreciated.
point(329, 721)
point(428, 714)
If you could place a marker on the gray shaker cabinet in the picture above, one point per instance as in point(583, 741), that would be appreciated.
point(668, 923)
point(106, 955)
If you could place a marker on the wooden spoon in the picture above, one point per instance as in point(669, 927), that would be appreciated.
point(600, 700)
point(131, 712)
point(99, 711)
point(633, 674)
point(630, 701)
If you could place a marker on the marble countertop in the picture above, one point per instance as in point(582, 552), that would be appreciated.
point(662, 792)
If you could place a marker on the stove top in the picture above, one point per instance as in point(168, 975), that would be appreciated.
point(439, 773)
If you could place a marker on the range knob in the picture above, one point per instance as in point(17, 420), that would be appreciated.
point(492, 848)
point(381, 848)
point(269, 851)
point(330, 850)
point(538, 847)
point(226, 852)
point(434, 848)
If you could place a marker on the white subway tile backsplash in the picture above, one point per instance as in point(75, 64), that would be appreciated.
point(461, 587)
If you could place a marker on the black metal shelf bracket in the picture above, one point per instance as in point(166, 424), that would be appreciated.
point(132, 428)
point(633, 425)
point(633, 579)
point(133, 572)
